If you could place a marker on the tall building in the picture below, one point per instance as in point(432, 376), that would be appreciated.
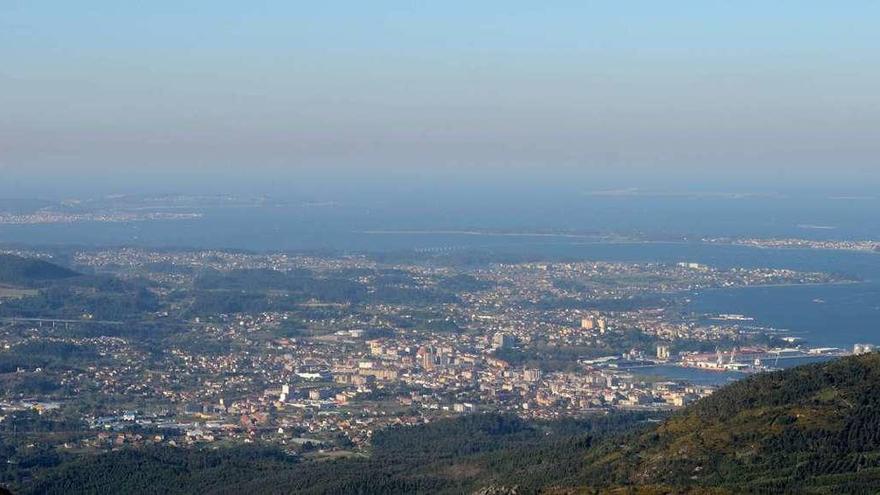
point(532, 375)
point(502, 341)
point(594, 323)
point(863, 348)
point(663, 352)
point(427, 357)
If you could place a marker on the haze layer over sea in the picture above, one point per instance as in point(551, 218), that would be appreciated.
point(548, 228)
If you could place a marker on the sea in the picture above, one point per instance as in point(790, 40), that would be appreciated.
point(556, 228)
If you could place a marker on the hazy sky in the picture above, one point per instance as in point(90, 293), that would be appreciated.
point(763, 90)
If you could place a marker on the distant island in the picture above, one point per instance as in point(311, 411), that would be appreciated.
point(789, 243)
point(51, 217)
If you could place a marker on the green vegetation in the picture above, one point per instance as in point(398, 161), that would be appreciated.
point(634, 303)
point(548, 356)
point(46, 354)
point(811, 429)
point(15, 293)
point(814, 429)
point(62, 293)
point(160, 470)
point(254, 291)
point(84, 297)
point(446, 456)
point(15, 270)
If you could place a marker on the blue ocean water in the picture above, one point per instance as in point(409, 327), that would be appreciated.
point(710, 377)
point(343, 223)
point(824, 315)
point(834, 316)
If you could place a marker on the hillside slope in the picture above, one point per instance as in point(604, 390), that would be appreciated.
point(810, 429)
point(15, 270)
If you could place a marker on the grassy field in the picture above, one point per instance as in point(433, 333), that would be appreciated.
point(7, 292)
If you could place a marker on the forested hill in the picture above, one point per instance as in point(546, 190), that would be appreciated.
point(811, 429)
point(448, 456)
point(18, 271)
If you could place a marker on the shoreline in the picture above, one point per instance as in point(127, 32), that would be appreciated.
point(599, 240)
point(806, 284)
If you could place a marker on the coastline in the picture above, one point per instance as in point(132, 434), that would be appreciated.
point(600, 241)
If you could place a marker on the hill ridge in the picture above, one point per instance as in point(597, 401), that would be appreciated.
point(18, 270)
point(809, 429)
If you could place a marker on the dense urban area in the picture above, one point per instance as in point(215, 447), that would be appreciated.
point(110, 348)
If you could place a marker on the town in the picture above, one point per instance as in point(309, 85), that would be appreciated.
point(315, 353)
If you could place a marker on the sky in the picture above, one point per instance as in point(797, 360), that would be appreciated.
point(694, 93)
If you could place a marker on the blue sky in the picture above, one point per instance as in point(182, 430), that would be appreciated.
point(707, 90)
